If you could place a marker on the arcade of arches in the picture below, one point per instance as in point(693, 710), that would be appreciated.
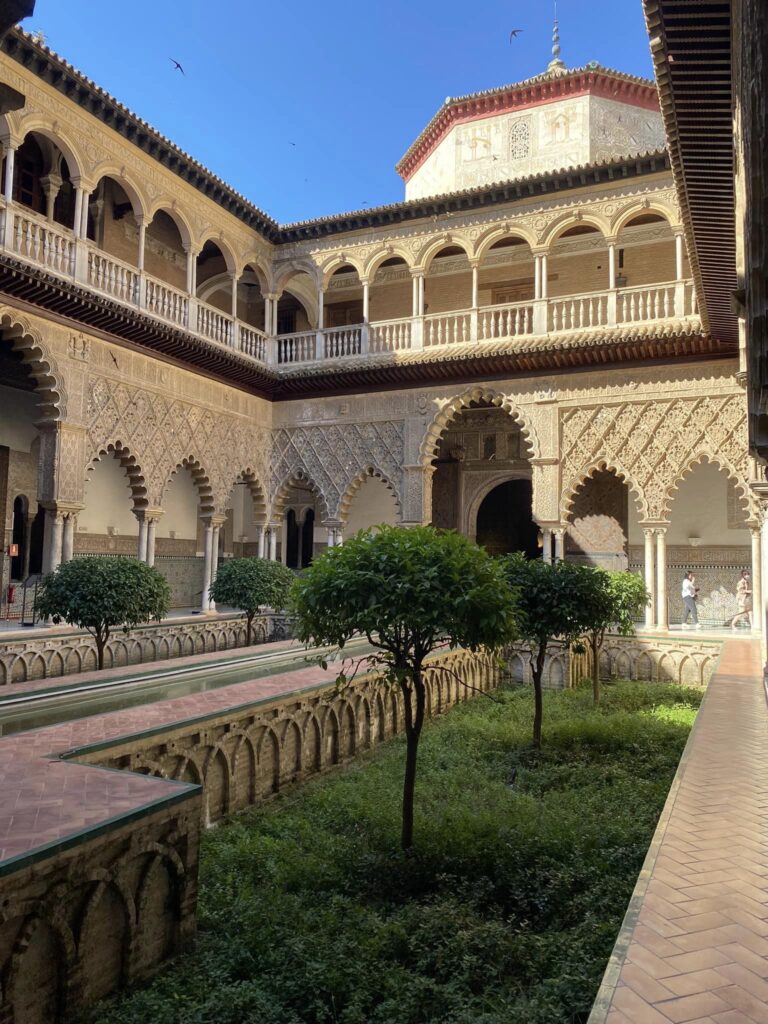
point(486, 474)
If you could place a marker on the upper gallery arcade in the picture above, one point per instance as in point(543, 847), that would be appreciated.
point(523, 356)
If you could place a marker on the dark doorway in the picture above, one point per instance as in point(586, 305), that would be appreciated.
point(307, 538)
point(18, 536)
point(291, 540)
point(505, 520)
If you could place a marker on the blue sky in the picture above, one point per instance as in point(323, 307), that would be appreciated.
point(350, 84)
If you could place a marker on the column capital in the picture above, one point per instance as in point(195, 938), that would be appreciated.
point(417, 272)
point(62, 508)
point(214, 519)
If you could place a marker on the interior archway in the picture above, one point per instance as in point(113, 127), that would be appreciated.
point(505, 520)
point(598, 531)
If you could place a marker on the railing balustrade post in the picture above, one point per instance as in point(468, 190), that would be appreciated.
point(611, 308)
point(365, 339)
point(417, 333)
point(319, 345)
point(540, 316)
point(81, 261)
point(473, 317)
point(680, 298)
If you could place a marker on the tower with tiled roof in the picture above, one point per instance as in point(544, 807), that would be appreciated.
point(560, 119)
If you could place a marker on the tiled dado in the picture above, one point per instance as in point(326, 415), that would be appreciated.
point(28, 656)
point(98, 867)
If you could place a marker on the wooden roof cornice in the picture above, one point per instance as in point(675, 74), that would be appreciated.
point(691, 47)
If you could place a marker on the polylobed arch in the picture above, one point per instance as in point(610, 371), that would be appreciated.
point(602, 465)
point(40, 363)
point(297, 478)
point(201, 480)
point(250, 478)
point(479, 395)
point(354, 485)
point(722, 464)
point(127, 461)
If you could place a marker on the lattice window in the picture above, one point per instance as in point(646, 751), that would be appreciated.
point(520, 140)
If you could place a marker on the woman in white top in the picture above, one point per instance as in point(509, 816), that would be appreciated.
point(689, 600)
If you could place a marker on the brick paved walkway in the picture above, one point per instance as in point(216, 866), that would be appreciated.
point(694, 945)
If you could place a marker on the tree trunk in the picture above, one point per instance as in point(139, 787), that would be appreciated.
point(100, 644)
point(595, 670)
point(413, 724)
point(248, 624)
point(538, 702)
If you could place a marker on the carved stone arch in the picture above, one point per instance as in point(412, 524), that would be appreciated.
point(571, 219)
point(298, 477)
point(431, 248)
point(62, 971)
point(38, 123)
point(224, 248)
point(166, 204)
point(637, 207)
point(127, 460)
point(450, 408)
point(329, 268)
point(40, 361)
point(388, 252)
point(260, 267)
point(485, 486)
point(357, 481)
point(497, 233)
point(715, 458)
point(281, 275)
point(202, 483)
point(135, 193)
point(252, 479)
point(602, 465)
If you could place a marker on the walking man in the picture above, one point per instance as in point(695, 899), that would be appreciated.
point(689, 600)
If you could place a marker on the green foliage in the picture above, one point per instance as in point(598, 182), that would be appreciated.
point(505, 914)
point(251, 583)
point(408, 591)
point(98, 594)
point(548, 610)
point(607, 600)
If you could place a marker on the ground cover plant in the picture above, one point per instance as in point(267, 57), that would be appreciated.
point(505, 912)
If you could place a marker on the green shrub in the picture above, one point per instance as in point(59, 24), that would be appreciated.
point(505, 912)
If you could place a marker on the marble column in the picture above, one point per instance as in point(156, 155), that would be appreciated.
point(650, 575)
point(543, 275)
point(331, 536)
point(662, 609)
point(68, 537)
point(27, 550)
point(612, 265)
point(757, 580)
point(141, 553)
point(273, 542)
point(151, 527)
point(560, 544)
point(10, 157)
point(546, 540)
point(54, 529)
point(207, 566)
point(214, 561)
point(262, 537)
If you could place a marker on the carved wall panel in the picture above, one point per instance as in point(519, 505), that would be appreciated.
point(652, 444)
point(333, 457)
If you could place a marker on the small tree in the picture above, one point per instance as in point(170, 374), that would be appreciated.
point(408, 591)
point(250, 584)
point(548, 611)
point(608, 600)
point(98, 594)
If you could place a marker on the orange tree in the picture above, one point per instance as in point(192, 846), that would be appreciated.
point(549, 611)
point(99, 594)
point(250, 584)
point(409, 592)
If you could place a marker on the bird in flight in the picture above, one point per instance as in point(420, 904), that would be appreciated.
point(514, 33)
point(291, 143)
point(177, 66)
